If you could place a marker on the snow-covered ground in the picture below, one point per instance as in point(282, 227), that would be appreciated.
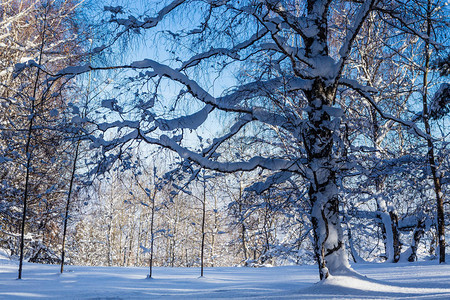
point(404, 281)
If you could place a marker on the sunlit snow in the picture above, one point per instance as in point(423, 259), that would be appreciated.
point(424, 280)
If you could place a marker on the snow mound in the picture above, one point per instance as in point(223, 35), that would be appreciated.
point(361, 287)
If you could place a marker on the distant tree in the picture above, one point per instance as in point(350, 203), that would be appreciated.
point(151, 195)
point(36, 38)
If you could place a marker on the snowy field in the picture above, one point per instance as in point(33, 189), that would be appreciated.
point(397, 281)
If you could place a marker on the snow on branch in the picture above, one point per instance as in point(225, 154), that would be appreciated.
point(189, 122)
point(114, 9)
point(109, 145)
point(440, 105)
point(133, 22)
point(20, 67)
point(264, 88)
point(118, 124)
point(274, 164)
point(74, 70)
point(232, 53)
point(274, 179)
point(274, 25)
point(352, 32)
point(364, 91)
point(229, 102)
point(298, 24)
point(241, 122)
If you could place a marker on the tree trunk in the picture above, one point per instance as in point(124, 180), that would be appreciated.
point(203, 226)
point(152, 233)
point(174, 235)
point(328, 236)
point(66, 215)
point(329, 245)
point(318, 137)
point(242, 221)
point(389, 230)
point(139, 241)
point(417, 235)
point(108, 238)
point(389, 219)
point(213, 234)
point(354, 254)
point(430, 153)
point(28, 149)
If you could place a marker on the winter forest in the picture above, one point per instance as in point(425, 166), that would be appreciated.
point(225, 133)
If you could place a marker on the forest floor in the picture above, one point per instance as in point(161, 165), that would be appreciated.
point(422, 280)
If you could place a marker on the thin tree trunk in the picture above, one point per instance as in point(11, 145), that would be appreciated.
point(203, 226)
point(108, 235)
point(244, 246)
point(389, 219)
point(242, 220)
point(213, 235)
point(175, 231)
point(28, 150)
point(130, 248)
point(66, 215)
point(430, 154)
point(266, 230)
point(139, 236)
point(152, 234)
